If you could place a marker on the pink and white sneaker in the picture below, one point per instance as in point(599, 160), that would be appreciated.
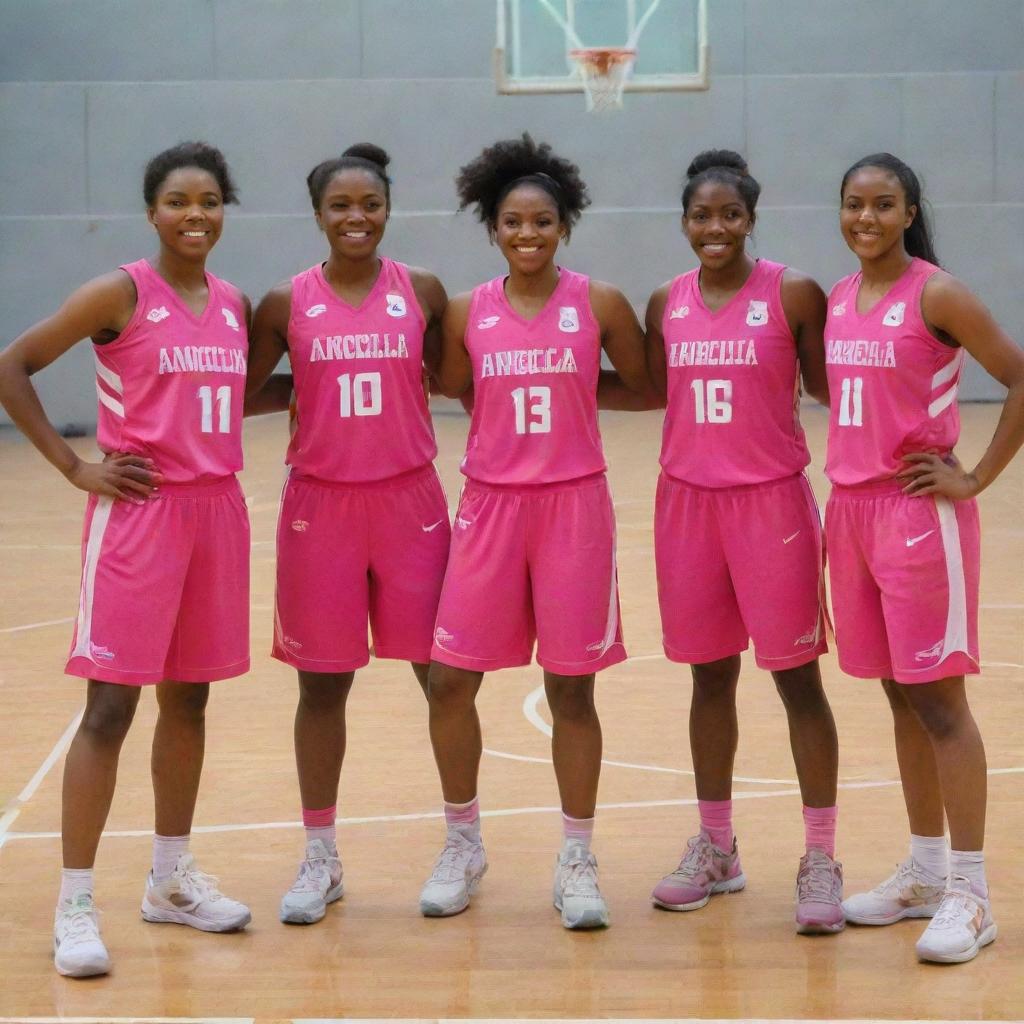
point(819, 894)
point(703, 871)
point(961, 927)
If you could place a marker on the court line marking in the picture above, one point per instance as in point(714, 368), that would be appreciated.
point(504, 812)
point(36, 625)
point(11, 814)
point(533, 716)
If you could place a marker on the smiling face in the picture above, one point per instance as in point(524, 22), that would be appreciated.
point(716, 223)
point(353, 213)
point(188, 212)
point(874, 212)
point(528, 228)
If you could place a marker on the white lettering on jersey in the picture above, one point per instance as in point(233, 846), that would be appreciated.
point(757, 313)
point(860, 353)
point(894, 315)
point(568, 319)
point(158, 314)
point(229, 318)
point(525, 362)
point(396, 305)
point(359, 346)
point(713, 353)
point(201, 359)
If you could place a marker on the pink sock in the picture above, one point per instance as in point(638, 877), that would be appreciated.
point(578, 831)
point(465, 817)
point(716, 822)
point(820, 828)
point(319, 824)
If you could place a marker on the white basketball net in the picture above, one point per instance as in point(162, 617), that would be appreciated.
point(604, 72)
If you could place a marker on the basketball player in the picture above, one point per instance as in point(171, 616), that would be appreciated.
point(533, 547)
point(737, 533)
point(363, 531)
point(165, 576)
point(903, 535)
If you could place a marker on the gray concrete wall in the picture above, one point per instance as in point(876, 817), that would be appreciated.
point(89, 89)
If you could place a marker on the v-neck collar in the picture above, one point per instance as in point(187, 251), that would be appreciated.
point(726, 306)
point(182, 305)
point(875, 306)
point(530, 321)
point(375, 288)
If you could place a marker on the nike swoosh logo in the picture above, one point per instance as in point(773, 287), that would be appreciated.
point(786, 540)
point(433, 526)
point(911, 541)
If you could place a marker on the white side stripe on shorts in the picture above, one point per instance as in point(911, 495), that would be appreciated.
point(612, 626)
point(956, 613)
point(97, 528)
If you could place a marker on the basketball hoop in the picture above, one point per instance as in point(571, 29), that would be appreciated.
point(603, 71)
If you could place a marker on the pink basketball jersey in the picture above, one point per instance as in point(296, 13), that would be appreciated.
point(358, 371)
point(171, 385)
point(535, 387)
point(732, 414)
point(893, 383)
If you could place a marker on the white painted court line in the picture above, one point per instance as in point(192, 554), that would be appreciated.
point(36, 625)
point(533, 716)
point(506, 812)
point(595, 1020)
point(11, 815)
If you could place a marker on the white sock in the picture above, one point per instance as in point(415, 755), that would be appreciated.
point(328, 835)
point(932, 853)
point(970, 864)
point(166, 851)
point(74, 881)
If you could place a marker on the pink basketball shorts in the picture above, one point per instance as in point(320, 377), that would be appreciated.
point(532, 563)
point(348, 552)
point(904, 574)
point(165, 587)
point(740, 563)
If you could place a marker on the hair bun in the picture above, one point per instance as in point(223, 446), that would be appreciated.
point(368, 151)
point(716, 158)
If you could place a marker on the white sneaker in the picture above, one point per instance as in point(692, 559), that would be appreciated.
point(576, 893)
point(456, 875)
point(190, 897)
point(319, 882)
point(78, 950)
point(909, 892)
point(960, 927)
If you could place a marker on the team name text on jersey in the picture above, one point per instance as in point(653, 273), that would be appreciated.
point(358, 346)
point(713, 353)
point(201, 359)
point(523, 362)
point(860, 353)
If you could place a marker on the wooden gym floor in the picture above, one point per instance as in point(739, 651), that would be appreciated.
point(374, 956)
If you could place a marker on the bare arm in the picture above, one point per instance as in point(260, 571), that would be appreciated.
point(950, 307)
point(455, 371)
point(612, 393)
point(433, 300)
point(100, 308)
point(805, 306)
point(266, 391)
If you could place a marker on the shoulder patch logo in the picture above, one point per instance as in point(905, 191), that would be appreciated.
point(679, 313)
point(568, 320)
point(895, 314)
point(229, 318)
point(396, 305)
point(487, 323)
point(158, 314)
point(757, 313)
point(839, 309)
point(318, 310)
